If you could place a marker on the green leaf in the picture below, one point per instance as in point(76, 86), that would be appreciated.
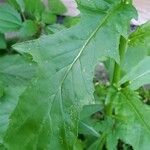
point(49, 119)
point(85, 125)
point(28, 29)
point(15, 74)
point(10, 19)
point(57, 7)
point(71, 21)
point(129, 122)
point(2, 41)
point(134, 126)
point(17, 4)
point(34, 8)
point(88, 110)
point(138, 48)
point(87, 130)
point(140, 74)
point(7, 104)
point(15, 71)
point(98, 144)
point(49, 18)
point(14, 4)
point(107, 127)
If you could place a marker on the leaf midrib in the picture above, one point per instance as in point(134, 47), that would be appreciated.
point(88, 40)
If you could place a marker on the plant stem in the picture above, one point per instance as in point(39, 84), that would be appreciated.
point(117, 68)
point(116, 74)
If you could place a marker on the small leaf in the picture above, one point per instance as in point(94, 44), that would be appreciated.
point(48, 18)
point(28, 29)
point(89, 110)
point(140, 75)
point(34, 8)
point(138, 48)
point(10, 19)
point(87, 130)
point(85, 124)
point(57, 7)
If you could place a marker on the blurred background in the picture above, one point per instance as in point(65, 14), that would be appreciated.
point(143, 7)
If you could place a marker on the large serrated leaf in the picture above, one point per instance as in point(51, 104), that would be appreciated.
point(47, 113)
